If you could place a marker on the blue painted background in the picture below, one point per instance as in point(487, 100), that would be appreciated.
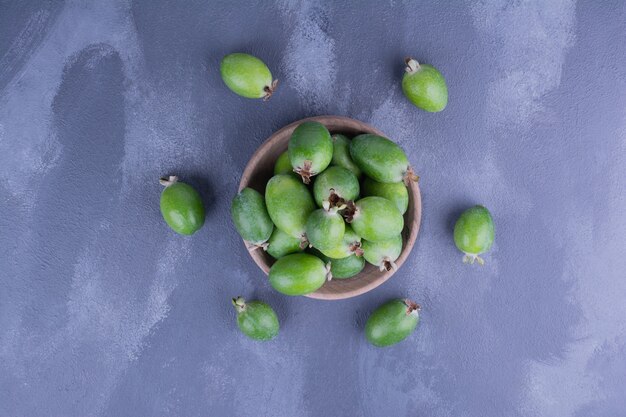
point(106, 312)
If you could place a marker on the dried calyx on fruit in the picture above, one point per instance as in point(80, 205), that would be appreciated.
point(334, 202)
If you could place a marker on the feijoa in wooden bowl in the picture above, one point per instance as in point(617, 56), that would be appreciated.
point(260, 169)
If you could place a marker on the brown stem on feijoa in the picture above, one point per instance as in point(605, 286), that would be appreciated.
point(411, 306)
point(470, 258)
point(169, 180)
point(410, 176)
point(387, 264)
point(240, 304)
point(355, 248)
point(305, 172)
point(350, 211)
point(304, 241)
point(412, 65)
point(269, 90)
point(335, 201)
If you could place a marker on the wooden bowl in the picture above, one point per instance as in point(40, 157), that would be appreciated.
point(260, 169)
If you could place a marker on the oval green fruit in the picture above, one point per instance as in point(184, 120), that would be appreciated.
point(374, 218)
point(424, 86)
point(298, 274)
point(289, 204)
point(281, 244)
point(325, 229)
point(383, 254)
point(392, 322)
point(349, 245)
point(283, 166)
point(341, 154)
point(256, 319)
point(335, 180)
point(247, 76)
point(474, 233)
point(342, 268)
point(250, 217)
point(181, 206)
point(381, 159)
point(396, 192)
point(310, 149)
point(346, 267)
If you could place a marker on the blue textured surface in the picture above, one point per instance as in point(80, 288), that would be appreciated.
point(106, 312)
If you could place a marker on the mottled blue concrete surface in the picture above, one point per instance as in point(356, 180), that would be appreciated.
point(106, 312)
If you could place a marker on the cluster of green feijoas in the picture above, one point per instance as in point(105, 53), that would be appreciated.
point(342, 198)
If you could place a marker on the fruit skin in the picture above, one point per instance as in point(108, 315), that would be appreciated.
point(392, 322)
point(474, 233)
point(289, 204)
point(341, 155)
point(424, 86)
point(283, 166)
point(395, 192)
point(345, 267)
point(325, 229)
point(380, 159)
point(340, 180)
point(310, 149)
point(247, 76)
point(281, 244)
point(250, 216)
point(298, 274)
point(383, 254)
point(349, 245)
point(256, 319)
point(181, 206)
point(375, 219)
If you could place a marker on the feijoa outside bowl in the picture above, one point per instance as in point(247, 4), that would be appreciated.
point(260, 169)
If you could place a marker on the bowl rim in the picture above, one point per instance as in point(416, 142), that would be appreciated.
point(414, 198)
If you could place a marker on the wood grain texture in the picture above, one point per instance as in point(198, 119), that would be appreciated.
point(260, 169)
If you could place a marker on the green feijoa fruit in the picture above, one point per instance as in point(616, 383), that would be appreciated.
point(424, 86)
point(289, 204)
point(345, 267)
point(256, 319)
point(381, 159)
point(374, 218)
point(310, 149)
point(349, 245)
point(383, 254)
point(392, 322)
point(474, 233)
point(281, 244)
point(247, 76)
point(335, 180)
point(325, 229)
point(396, 192)
point(250, 217)
point(298, 274)
point(283, 166)
point(181, 206)
point(341, 154)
